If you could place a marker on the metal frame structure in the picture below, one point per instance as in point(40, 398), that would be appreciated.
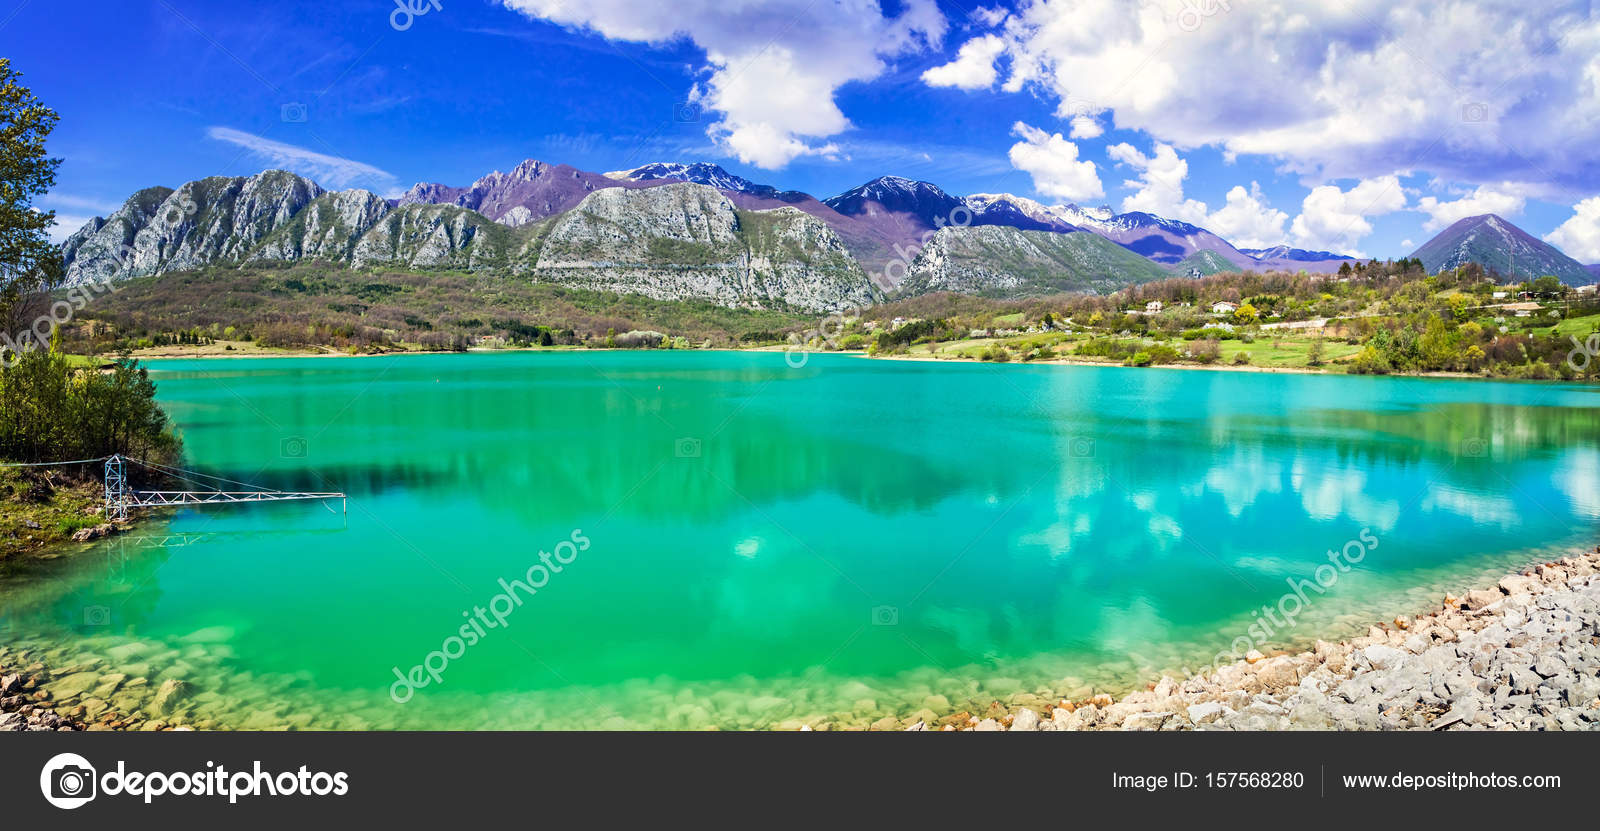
point(116, 489)
point(119, 498)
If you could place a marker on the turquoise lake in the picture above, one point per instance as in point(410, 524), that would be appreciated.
point(768, 546)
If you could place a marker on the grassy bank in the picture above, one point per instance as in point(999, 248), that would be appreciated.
point(317, 309)
point(44, 507)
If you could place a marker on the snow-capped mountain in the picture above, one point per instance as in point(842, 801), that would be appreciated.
point(1300, 255)
point(700, 173)
point(1163, 240)
point(1498, 245)
point(894, 194)
point(1016, 212)
point(532, 190)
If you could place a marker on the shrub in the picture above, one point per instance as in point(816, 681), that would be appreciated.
point(1241, 358)
point(1370, 361)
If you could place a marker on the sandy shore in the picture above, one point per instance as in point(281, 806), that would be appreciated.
point(1523, 654)
point(1217, 367)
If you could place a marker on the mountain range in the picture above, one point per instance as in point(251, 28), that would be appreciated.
point(1496, 244)
point(696, 231)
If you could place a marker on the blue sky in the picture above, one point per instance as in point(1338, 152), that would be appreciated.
point(1357, 126)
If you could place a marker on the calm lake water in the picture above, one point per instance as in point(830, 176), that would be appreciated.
point(769, 546)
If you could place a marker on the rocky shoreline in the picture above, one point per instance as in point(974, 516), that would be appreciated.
point(82, 697)
point(1523, 654)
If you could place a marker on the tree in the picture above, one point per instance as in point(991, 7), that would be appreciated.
point(1548, 285)
point(28, 260)
point(1245, 315)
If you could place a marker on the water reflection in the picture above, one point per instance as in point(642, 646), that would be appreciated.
point(1031, 524)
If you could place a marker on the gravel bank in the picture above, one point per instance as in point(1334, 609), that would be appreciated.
point(24, 706)
point(1521, 655)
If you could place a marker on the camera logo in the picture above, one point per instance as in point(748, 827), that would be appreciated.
point(293, 447)
point(885, 616)
point(178, 208)
point(67, 781)
point(686, 112)
point(96, 616)
point(687, 448)
point(293, 112)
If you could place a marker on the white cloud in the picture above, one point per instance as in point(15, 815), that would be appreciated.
point(72, 212)
point(1159, 187)
point(1337, 219)
point(1478, 90)
point(1247, 220)
point(774, 66)
point(989, 16)
point(328, 171)
point(1086, 127)
point(1506, 201)
point(65, 226)
point(1579, 236)
point(1053, 163)
point(973, 67)
point(70, 202)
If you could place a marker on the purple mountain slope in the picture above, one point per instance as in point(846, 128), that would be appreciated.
point(532, 191)
point(920, 203)
point(706, 173)
point(1284, 252)
point(1501, 247)
point(880, 221)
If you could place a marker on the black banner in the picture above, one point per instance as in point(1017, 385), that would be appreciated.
point(418, 778)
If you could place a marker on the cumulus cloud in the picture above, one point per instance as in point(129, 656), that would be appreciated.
point(1579, 236)
point(72, 212)
point(773, 67)
point(1159, 186)
point(1244, 219)
point(1053, 163)
point(992, 16)
point(1247, 220)
point(973, 67)
point(1086, 127)
point(328, 171)
point(1337, 219)
point(65, 226)
point(1506, 201)
point(1478, 90)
